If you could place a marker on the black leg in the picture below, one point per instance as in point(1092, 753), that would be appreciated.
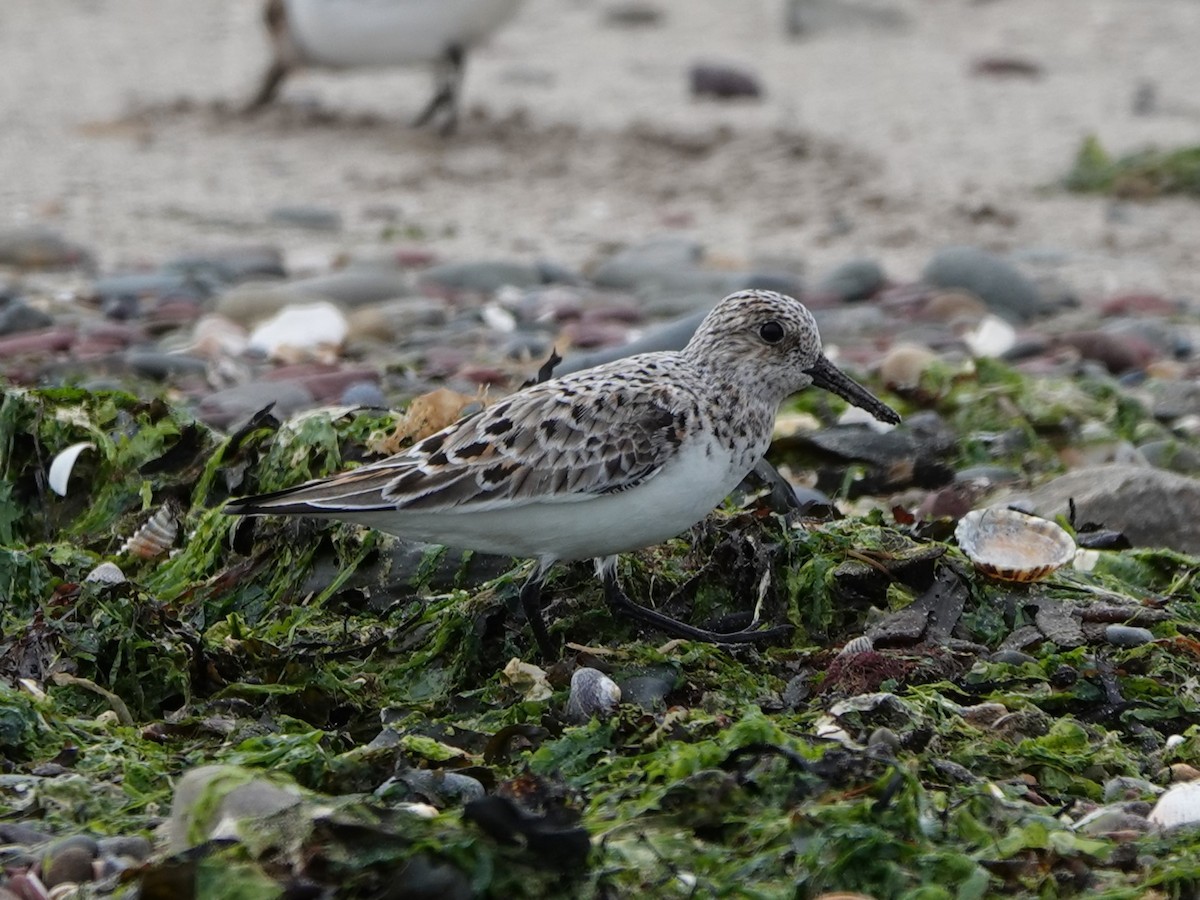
point(270, 85)
point(445, 95)
point(531, 602)
point(618, 602)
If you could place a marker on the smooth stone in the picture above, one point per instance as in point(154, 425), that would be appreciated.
point(649, 689)
point(851, 323)
point(440, 786)
point(223, 408)
point(326, 387)
point(556, 273)
point(17, 316)
point(36, 247)
point(71, 865)
point(244, 795)
point(484, 277)
point(671, 336)
point(628, 267)
point(1174, 399)
point(253, 301)
point(356, 286)
point(856, 279)
point(396, 319)
point(1117, 353)
point(48, 340)
point(632, 14)
point(364, 393)
point(1152, 507)
point(723, 82)
point(592, 694)
point(156, 364)
point(231, 264)
point(131, 846)
point(148, 285)
point(313, 218)
point(20, 833)
point(84, 842)
point(1126, 787)
point(1127, 635)
point(1172, 455)
point(997, 282)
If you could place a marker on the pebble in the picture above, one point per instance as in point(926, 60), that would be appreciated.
point(1118, 353)
point(593, 694)
point(313, 218)
point(132, 846)
point(671, 336)
point(222, 409)
point(628, 268)
point(1127, 635)
point(159, 365)
point(1172, 455)
point(997, 282)
point(37, 343)
point(365, 394)
point(231, 264)
point(71, 865)
point(396, 319)
point(856, 279)
point(17, 316)
point(723, 82)
point(633, 13)
point(253, 301)
point(481, 277)
point(1147, 504)
point(196, 818)
point(901, 369)
point(36, 247)
point(356, 286)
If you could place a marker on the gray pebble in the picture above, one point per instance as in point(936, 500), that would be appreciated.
point(669, 336)
point(856, 279)
point(231, 264)
point(998, 283)
point(1011, 657)
point(16, 316)
point(313, 218)
point(156, 364)
point(132, 846)
point(723, 82)
point(1126, 787)
point(1172, 455)
point(629, 267)
point(72, 865)
point(364, 393)
point(356, 286)
point(36, 247)
point(223, 409)
point(483, 277)
point(1128, 635)
point(648, 690)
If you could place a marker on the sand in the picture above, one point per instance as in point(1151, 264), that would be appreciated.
point(874, 138)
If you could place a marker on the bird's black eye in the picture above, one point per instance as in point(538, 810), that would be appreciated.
point(771, 332)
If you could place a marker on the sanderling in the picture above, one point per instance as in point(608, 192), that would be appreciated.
point(351, 33)
point(598, 462)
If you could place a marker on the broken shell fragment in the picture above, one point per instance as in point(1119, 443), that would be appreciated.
point(63, 463)
point(106, 573)
point(158, 535)
point(1180, 805)
point(592, 694)
point(1012, 546)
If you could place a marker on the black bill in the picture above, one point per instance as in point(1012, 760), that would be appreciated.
point(828, 376)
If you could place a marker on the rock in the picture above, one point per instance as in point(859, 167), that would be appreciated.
point(254, 301)
point(1153, 508)
point(901, 369)
point(649, 688)
point(231, 264)
point(629, 267)
point(1179, 805)
point(592, 694)
point(396, 319)
point(70, 865)
point(36, 247)
point(132, 847)
point(365, 394)
point(723, 82)
point(1171, 400)
point(17, 316)
point(1118, 353)
point(325, 384)
point(313, 218)
point(36, 343)
point(356, 286)
point(670, 336)
point(1129, 815)
point(213, 802)
point(633, 14)
point(137, 286)
point(1000, 285)
point(1126, 787)
point(224, 408)
point(856, 279)
point(1127, 635)
point(300, 330)
point(156, 364)
point(1172, 455)
point(481, 277)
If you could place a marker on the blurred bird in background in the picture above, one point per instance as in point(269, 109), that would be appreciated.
point(342, 34)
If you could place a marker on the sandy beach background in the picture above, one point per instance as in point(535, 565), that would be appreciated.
point(874, 137)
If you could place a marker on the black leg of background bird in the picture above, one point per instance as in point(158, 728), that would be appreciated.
point(449, 79)
point(531, 602)
point(270, 85)
point(619, 602)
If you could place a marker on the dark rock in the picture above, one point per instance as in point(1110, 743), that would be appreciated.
point(670, 336)
point(1174, 399)
point(16, 316)
point(627, 268)
point(856, 279)
point(633, 14)
point(156, 364)
point(723, 82)
point(313, 218)
point(138, 286)
point(551, 272)
point(421, 878)
point(354, 287)
point(1127, 635)
point(1118, 353)
point(1171, 455)
point(1005, 290)
point(133, 847)
point(481, 277)
point(36, 343)
point(232, 405)
point(231, 264)
point(1153, 508)
point(648, 689)
point(70, 866)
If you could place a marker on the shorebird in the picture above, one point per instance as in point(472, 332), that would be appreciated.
point(343, 34)
point(598, 462)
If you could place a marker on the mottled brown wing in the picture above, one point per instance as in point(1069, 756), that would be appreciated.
point(567, 439)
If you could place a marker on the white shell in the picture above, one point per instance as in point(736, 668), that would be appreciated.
point(860, 644)
point(63, 463)
point(1180, 805)
point(299, 328)
point(992, 337)
point(592, 694)
point(1012, 546)
point(106, 573)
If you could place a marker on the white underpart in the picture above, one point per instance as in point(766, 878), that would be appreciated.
point(348, 33)
point(582, 526)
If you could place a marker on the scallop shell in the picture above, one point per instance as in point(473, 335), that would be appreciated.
point(1012, 546)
